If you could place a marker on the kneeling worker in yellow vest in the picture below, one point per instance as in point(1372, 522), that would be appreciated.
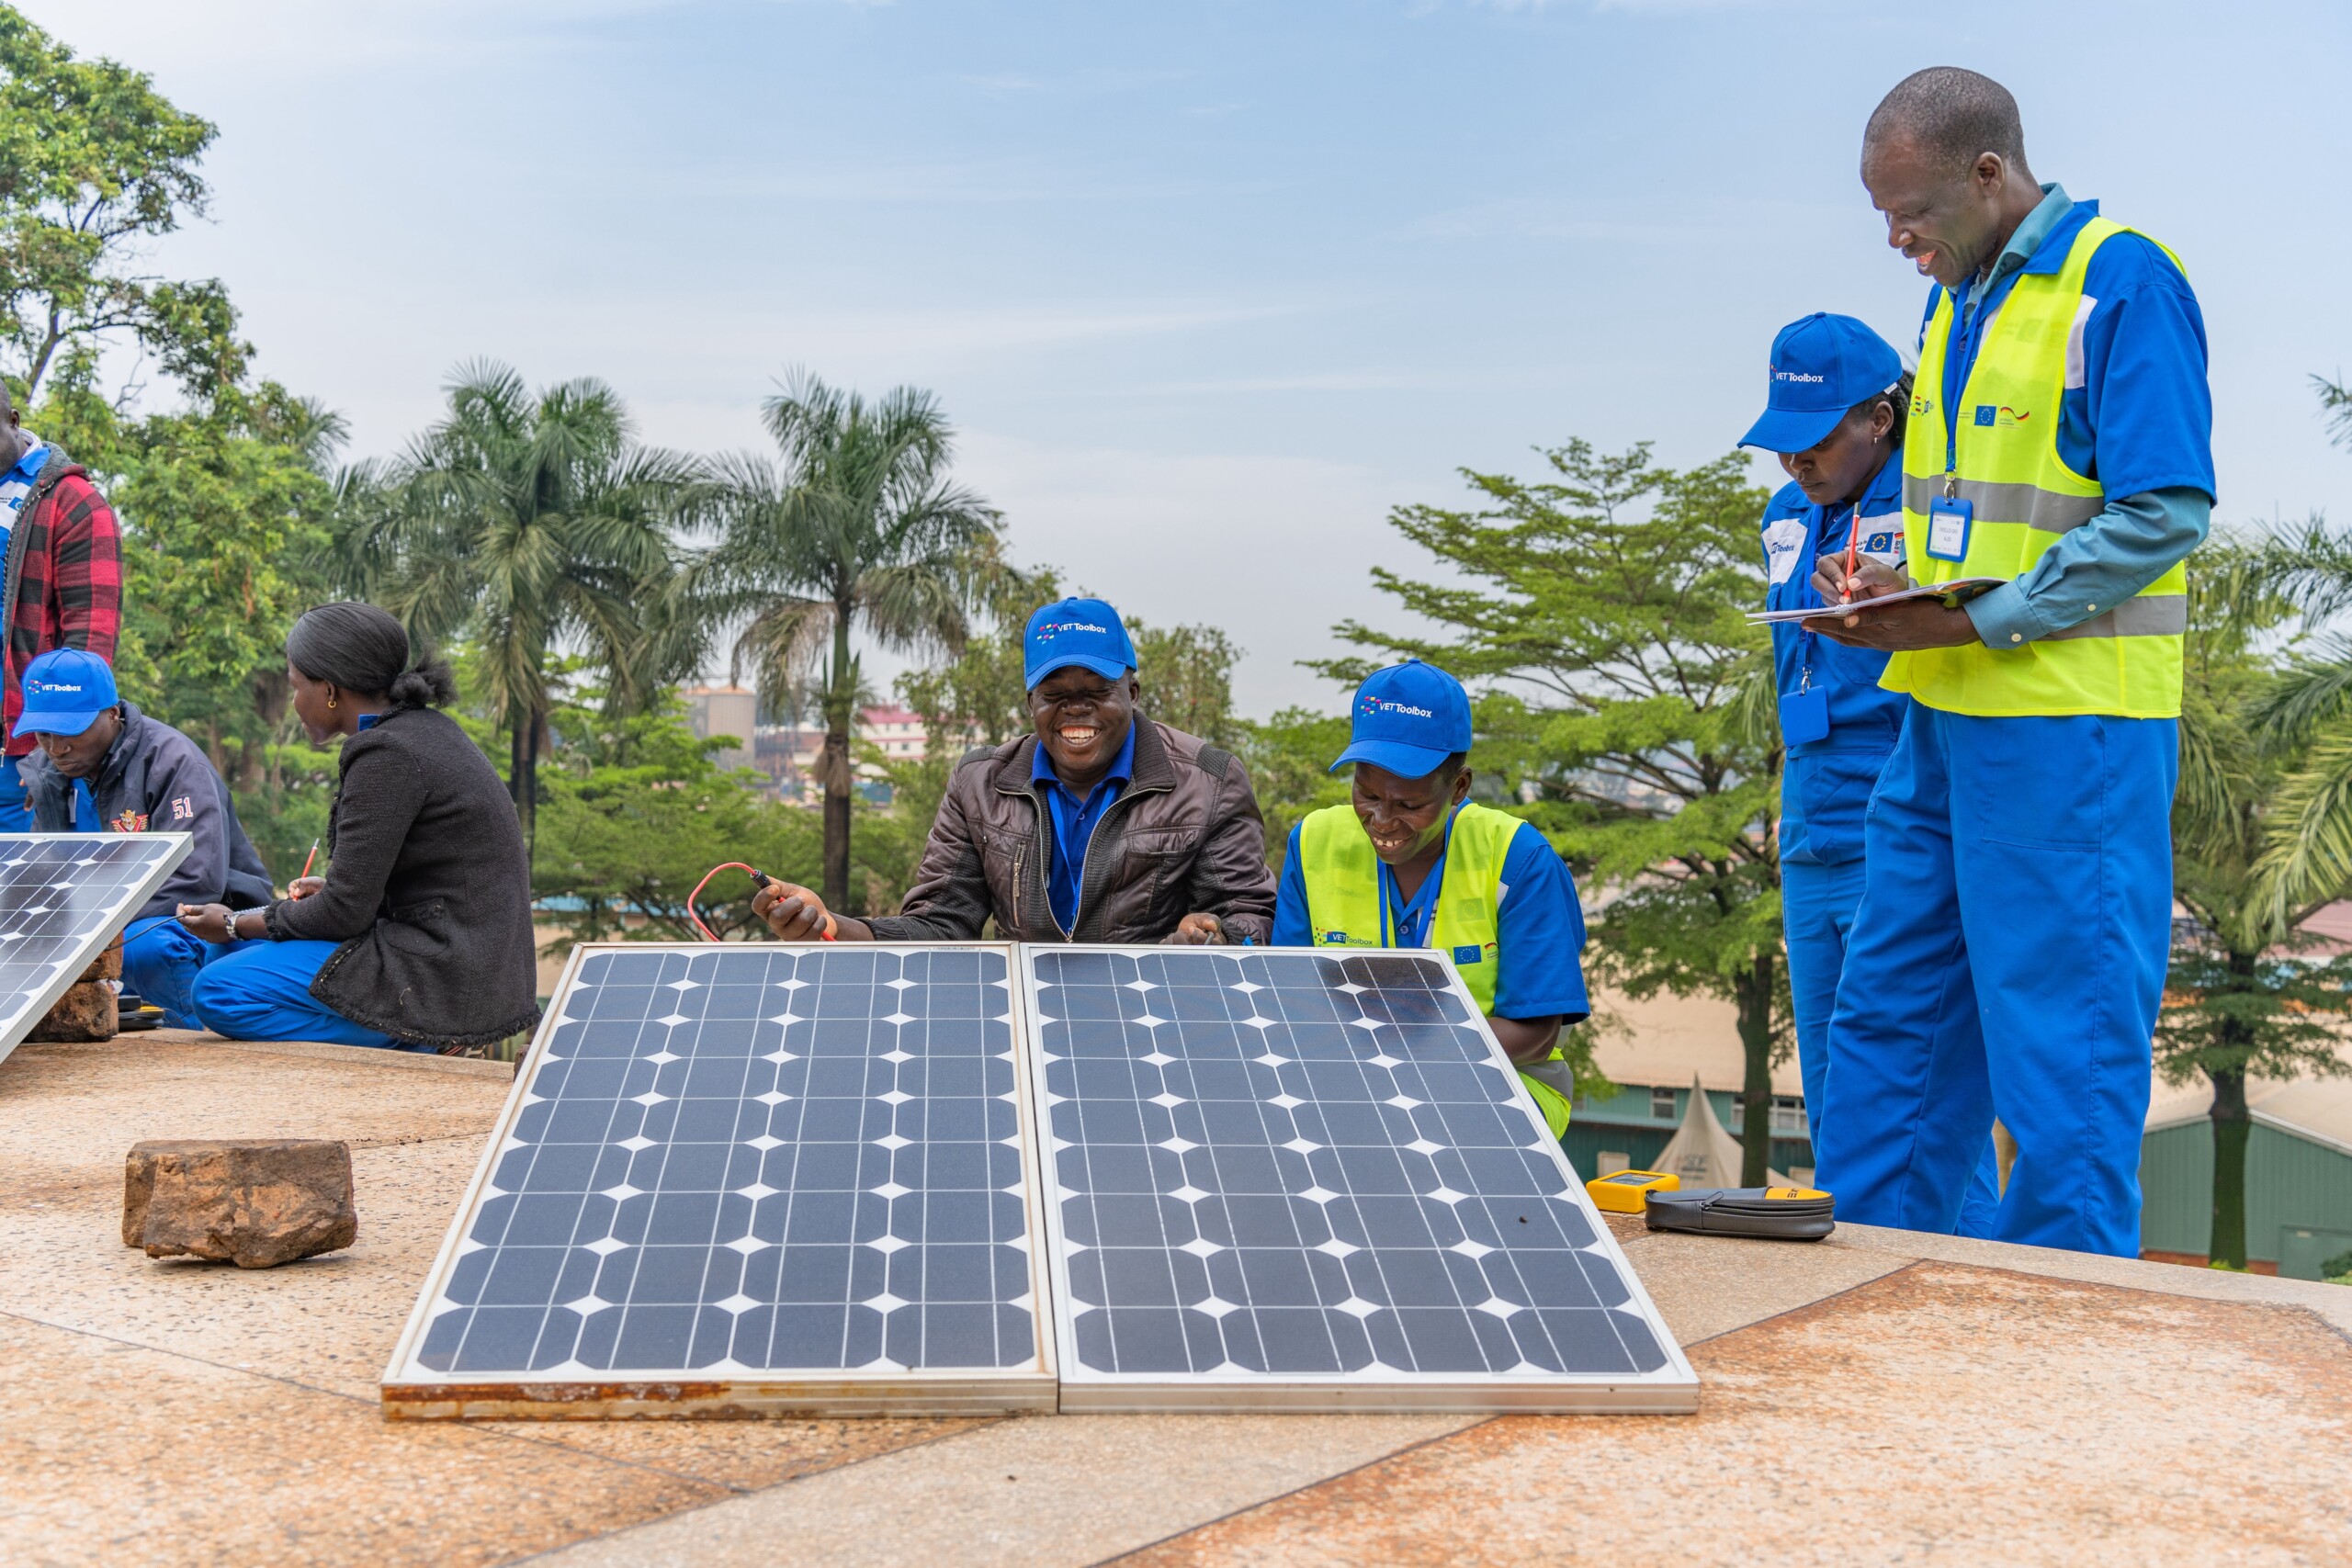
point(1411, 862)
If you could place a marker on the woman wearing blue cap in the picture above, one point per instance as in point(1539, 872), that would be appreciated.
point(1408, 861)
point(1834, 416)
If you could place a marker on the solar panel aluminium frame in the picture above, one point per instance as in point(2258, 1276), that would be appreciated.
point(408, 1391)
point(13, 1031)
point(1672, 1389)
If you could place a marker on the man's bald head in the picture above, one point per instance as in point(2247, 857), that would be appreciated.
point(1951, 117)
point(1943, 159)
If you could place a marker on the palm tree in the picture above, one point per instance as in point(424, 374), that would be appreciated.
point(857, 527)
point(2244, 996)
point(525, 522)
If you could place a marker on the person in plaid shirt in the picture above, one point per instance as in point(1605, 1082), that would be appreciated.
point(64, 581)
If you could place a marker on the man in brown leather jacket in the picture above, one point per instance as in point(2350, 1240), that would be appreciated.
point(1103, 825)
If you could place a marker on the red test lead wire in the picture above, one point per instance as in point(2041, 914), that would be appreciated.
point(759, 878)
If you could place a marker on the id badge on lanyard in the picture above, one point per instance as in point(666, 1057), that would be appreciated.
point(1805, 712)
point(1949, 518)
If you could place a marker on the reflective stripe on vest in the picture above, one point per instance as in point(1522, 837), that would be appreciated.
point(1346, 906)
point(2125, 662)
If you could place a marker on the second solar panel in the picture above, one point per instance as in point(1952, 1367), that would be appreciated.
point(1291, 1179)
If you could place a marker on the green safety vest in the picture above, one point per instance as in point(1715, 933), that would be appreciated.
point(1345, 908)
point(2125, 659)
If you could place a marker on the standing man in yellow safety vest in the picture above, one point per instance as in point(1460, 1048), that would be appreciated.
point(2010, 949)
point(1408, 861)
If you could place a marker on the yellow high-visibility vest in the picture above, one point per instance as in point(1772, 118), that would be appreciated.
point(2126, 658)
point(1346, 909)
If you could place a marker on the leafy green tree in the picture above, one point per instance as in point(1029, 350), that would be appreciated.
point(526, 523)
point(94, 167)
point(224, 503)
point(1188, 679)
point(1602, 609)
point(2245, 996)
point(636, 812)
point(979, 696)
point(1289, 758)
point(858, 529)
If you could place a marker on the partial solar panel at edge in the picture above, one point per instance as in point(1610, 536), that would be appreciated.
point(748, 1178)
point(63, 897)
point(1282, 1179)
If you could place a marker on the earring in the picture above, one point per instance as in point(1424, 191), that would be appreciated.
point(330, 702)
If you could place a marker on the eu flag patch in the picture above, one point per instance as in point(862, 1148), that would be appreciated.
point(1465, 954)
point(1984, 413)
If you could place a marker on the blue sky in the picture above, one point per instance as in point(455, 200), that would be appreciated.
point(1206, 287)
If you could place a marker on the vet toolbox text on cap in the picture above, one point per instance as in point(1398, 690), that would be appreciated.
point(66, 690)
point(1822, 365)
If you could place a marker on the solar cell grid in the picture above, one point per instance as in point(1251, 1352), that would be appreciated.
point(63, 897)
point(754, 1163)
point(1287, 1171)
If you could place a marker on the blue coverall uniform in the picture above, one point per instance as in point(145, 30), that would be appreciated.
point(1840, 728)
point(2018, 886)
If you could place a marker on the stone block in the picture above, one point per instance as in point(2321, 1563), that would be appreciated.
point(108, 965)
point(86, 1011)
point(255, 1202)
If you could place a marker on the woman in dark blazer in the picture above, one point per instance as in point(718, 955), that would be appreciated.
point(419, 934)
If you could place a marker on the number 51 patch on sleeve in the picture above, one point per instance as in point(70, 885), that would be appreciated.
point(183, 808)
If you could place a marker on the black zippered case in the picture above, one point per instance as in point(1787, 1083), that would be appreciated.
point(1742, 1210)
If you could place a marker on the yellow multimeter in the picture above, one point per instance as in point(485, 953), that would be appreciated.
point(1627, 1192)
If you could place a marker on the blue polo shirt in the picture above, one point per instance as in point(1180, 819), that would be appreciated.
point(1827, 783)
point(1539, 939)
point(2135, 415)
point(1074, 821)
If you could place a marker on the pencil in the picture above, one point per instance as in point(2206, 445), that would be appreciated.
point(312, 859)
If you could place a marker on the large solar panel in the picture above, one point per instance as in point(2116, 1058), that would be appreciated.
point(1285, 1179)
point(748, 1178)
point(63, 897)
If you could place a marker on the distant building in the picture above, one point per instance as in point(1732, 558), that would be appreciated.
point(2298, 1175)
point(725, 710)
point(787, 753)
point(1667, 1044)
point(897, 732)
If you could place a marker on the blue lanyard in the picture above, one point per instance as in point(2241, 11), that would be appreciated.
point(1816, 542)
point(1393, 906)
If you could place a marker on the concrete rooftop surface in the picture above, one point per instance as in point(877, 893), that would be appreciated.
point(1881, 1397)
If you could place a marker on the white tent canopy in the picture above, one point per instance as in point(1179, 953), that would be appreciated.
point(1702, 1153)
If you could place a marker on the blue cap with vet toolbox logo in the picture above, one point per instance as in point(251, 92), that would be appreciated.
point(1084, 632)
point(1822, 365)
point(66, 690)
point(1408, 718)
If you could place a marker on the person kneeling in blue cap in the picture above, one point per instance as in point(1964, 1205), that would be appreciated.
point(103, 765)
point(1102, 825)
point(1409, 861)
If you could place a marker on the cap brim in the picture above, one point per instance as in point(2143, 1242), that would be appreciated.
point(1404, 761)
point(1109, 669)
point(1792, 430)
point(31, 723)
